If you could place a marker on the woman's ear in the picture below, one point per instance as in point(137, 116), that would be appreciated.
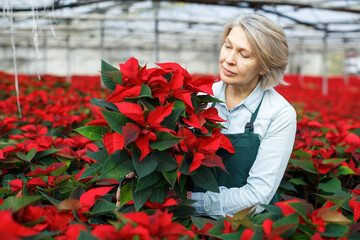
point(262, 72)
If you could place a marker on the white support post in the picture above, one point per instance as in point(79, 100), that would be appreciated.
point(102, 45)
point(156, 5)
point(44, 52)
point(68, 54)
point(325, 61)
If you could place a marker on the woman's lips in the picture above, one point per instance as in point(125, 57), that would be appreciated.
point(228, 73)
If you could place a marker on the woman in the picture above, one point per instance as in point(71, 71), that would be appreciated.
point(261, 124)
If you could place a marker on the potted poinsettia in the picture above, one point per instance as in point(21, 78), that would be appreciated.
point(155, 123)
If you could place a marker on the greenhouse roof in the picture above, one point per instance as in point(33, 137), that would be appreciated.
point(174, 24)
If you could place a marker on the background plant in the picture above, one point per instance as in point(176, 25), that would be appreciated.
point(39, 200)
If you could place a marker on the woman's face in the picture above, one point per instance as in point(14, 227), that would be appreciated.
point(238, 66)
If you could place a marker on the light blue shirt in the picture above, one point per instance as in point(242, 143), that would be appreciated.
point(276, 126)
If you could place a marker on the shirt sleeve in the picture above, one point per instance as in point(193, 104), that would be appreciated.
point(264, 177)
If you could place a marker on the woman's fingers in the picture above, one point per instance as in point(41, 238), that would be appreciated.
point(118, 197)
point(122, 182)
point(130, 175)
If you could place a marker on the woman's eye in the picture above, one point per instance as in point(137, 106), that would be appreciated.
point(244, 56)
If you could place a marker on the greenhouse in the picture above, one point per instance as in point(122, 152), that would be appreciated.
point(112, 124)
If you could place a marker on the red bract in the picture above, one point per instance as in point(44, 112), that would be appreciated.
point(16, 185)
point(12, 229)
point(34, 182)
point(100, 120)
point(203, 148)
point(88, 199)
point(29, 214)
point(40, 172)
point(286, 208)
point(57, 221)
point(72, 233)
point(247, 234)
point(149, 125)
point(113, 141)
point(121, 92)
point(159, 225)
point(127, 232)
point(131, 74)
point(355, 206)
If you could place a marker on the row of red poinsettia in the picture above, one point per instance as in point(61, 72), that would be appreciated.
point(42, 160)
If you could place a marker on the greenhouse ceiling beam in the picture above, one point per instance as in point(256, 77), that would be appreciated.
point(57, 5)
point(259, 4)
point(251, 3)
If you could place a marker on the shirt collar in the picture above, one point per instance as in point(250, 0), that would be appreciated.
point(250, 102)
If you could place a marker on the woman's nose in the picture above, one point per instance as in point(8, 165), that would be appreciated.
point(230, 59)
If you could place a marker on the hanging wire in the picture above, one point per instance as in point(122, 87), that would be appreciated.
point(13, 46)
point(35, 36)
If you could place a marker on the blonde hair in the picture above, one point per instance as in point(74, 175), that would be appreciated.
point(268, 43)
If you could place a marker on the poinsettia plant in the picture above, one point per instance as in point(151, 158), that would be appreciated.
point(156, 123)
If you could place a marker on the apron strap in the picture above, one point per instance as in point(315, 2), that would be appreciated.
point(249, 127)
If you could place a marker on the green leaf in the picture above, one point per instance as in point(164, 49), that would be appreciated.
point(77, 192)
point(61, 170)
point(108, 82)
point(307, 165)
point(287, 220)
point(184, 166)
point(309, 232)
point(53, 201)
point(334, 230)
point(103, 104)
point(334, 160)
point(298, 181)
point(171, 120)
point(170, 177)
point(16, 203)
point(115, 120)
point(91, 171)
point(240, 218)
point(28, 156)
point(301, 154)
point(145, 167)
point(45, 153)
point(299, 207)
point(99, 156)
point(287, 185)
point(33, 223)
point(117, 166)
point(158, 194)
point(125, 194)
point(92, 132)
point(164, 141)
point(354, 236)
point(95, 168)
point(86, 236)
point(148, 181)
point(204, 178)
point(207, 98)
point(115, 76)
point(331, 186)
point(102, 206)
point(341, 200)
point(272, 208)
point(183, 212)
point(166, 162)
point(344, 170)
point(140, 197)
point(144, 92)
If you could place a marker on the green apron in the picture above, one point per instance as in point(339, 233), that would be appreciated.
point(238, 164)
